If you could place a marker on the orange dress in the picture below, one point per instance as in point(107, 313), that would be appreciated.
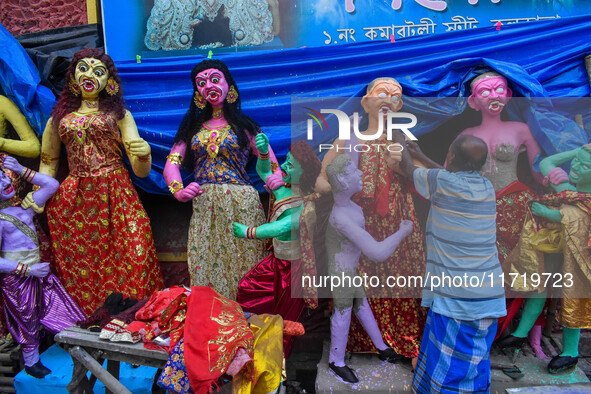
point(101, 235)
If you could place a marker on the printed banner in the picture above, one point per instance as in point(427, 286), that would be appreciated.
point(135, 29)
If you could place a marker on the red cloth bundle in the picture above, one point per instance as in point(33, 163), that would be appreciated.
point(215, 328)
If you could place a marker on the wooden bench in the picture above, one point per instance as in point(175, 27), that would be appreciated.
point(89, 352)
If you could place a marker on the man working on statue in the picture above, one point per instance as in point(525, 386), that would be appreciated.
point(463, 286)
point(31, 296)
point(346, 239)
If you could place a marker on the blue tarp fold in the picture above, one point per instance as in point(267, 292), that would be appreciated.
point(19, 81)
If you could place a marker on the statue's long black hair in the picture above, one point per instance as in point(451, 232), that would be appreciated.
point(195, 117)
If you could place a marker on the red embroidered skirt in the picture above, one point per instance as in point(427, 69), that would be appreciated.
point(102, 240)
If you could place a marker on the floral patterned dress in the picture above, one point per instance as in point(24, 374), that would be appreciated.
point(100, 232)
point(386, 201)
point(216, 258)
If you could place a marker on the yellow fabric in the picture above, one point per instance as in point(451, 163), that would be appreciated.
point(576, 310)
point(548, 240)
point(573, 234)
point(268, 356)
point(527, 259)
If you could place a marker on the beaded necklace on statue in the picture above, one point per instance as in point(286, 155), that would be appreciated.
point(91, 104)
point(217, 113)
point(79, 123)
point(213, 137)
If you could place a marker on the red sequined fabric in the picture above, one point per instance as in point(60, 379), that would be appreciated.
point(101, 235)
point(386, 201)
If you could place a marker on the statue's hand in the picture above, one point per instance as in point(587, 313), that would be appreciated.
point(394, 157)
point(138, 147)
point(13, 165)
point(274, 181)
point(262, 143)
point(40, 270)
point(29, 202)
point(406, 226)
point(556, 176)
point(188, 193)
point(239, 230)
point(539, 209)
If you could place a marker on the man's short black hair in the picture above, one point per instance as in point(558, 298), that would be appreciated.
point(469, 152)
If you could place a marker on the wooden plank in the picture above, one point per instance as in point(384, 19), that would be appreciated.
point(556, 340)
point(548, 344)
point(113, 369)
point(5, 358)
point(80, 383)
point(550, 316)
point(108, 380)
point(133, 359)
point(87, 339)
point(92, 378)
point(88, 342)
point(5, 345)
point(6, 369)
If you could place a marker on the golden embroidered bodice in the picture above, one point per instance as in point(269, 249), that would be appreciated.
point(93, 143)
point(219, 157)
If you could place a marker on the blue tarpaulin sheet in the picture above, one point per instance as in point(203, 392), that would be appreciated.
point(138, 380)
point(540, 59)
point(19, 81)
